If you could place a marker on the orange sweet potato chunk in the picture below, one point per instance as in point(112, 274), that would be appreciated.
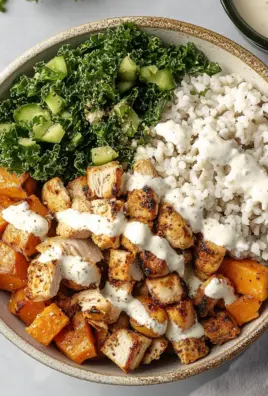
point(244, 309)
point(16, 186)
point(22, 242)
point(13, 269)
point(248, 277)
point(36, 206)
point(48, 324)
point(76, 340)
point(5, 202)
point(25, 309)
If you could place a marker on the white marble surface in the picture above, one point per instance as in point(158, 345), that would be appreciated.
point(23, 26)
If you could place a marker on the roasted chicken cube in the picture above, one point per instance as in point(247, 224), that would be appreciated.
point(145, 167)
point(21, 241)
point(151, 265)
point(208, 256)
point(126, 348)
point(78, 188)
point(205, 304)
point(172, 226)
point(66, 304)
point(203, 276)
point(182, 314)
point(141, 289)
point(106, 242)
point(190, 349)
point(221, 328)
point(126, 244)
point(64, 231)
point(121, 323)
point(55, 196)
point(143, 203)
point(105, 181)
point(43, 280)
point(155, 350)
point(167, 290)
point(96, 307)
point(123, 267)
point(81, 205)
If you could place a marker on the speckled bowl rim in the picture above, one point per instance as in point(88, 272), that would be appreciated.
point(210, 361)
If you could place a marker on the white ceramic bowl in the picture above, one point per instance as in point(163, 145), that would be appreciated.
point(233, 59)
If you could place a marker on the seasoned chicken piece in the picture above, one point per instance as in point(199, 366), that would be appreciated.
point(126, 349)
point(95, 307)
point(64, 231)
point(205, 305)
point(145, 167)
point(156, 314)
point(143, 203)
point(182, 314)
point(101, 335)
point(167, 290)
point(190, 349)
point(21, 241)
point(221, 328)
point(151, 265)
point(141, 289)
point(105, 181)
point(155, 350)
point(106, 207)
point(78, 188)
point(126, 244)
point(66, 303)
point(55, 196)
point(106, 242)
point(121, 323)
point(172, 226)
point(188, 257)
point(81, 204)
point(123, 267)
point(202, 275)
point(43, 280)
point(208, 256)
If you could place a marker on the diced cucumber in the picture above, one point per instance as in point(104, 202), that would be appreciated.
point(28, 112)
point(26, 142)
point(55, 102)
point(162, 78)
point(58, 64)
point(148, 73)
point(127, 117)
point(65, 115)
point(103, 155)
point(5, 127)
point(76, 139)
point(54, 134)
point(124, 86)
point(40, 129)
point(127, 70)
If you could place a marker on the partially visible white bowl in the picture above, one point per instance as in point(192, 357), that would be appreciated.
point(233, 59)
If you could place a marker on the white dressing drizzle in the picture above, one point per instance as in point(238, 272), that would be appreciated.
point(137, 181)
point(220, 289)
point(141, 235)
point(191, 280)
point(124, 301)
point(175, 334)
point(22, 218)
point(99, 225)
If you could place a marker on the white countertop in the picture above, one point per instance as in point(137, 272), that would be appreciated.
point(26, 24)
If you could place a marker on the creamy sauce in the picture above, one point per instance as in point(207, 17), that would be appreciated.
point(74, 268)
point(99, 225)
point(124, 301)
point(177, 134)
point(175, 334)
point(141, 235)
point(255, 13)
point(22, 218)
point(136, 272)
point(191, 280)
point(221, 234)
point(137, 181)
point(220, 289)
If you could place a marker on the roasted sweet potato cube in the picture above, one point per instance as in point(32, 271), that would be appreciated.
point(143, 203)
point(122, 266)
point(190, 349)
point(244, 309)
point(152, 266)
point(126, 349)
point(16, 186)
point(221, 328)
point(5, 202)
point(167, 290)
point(79, 188)
point(36, 206)
point(25, 309)
point(77, 340)
point(105, 181)
point(172, 226)
point(182, 314)
point(55, 196)
point(145, 167)
point(155, 350)
point(13, 269)
point(247, 276)
point(208, 256)
point(21, 241)
point(48, 324)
